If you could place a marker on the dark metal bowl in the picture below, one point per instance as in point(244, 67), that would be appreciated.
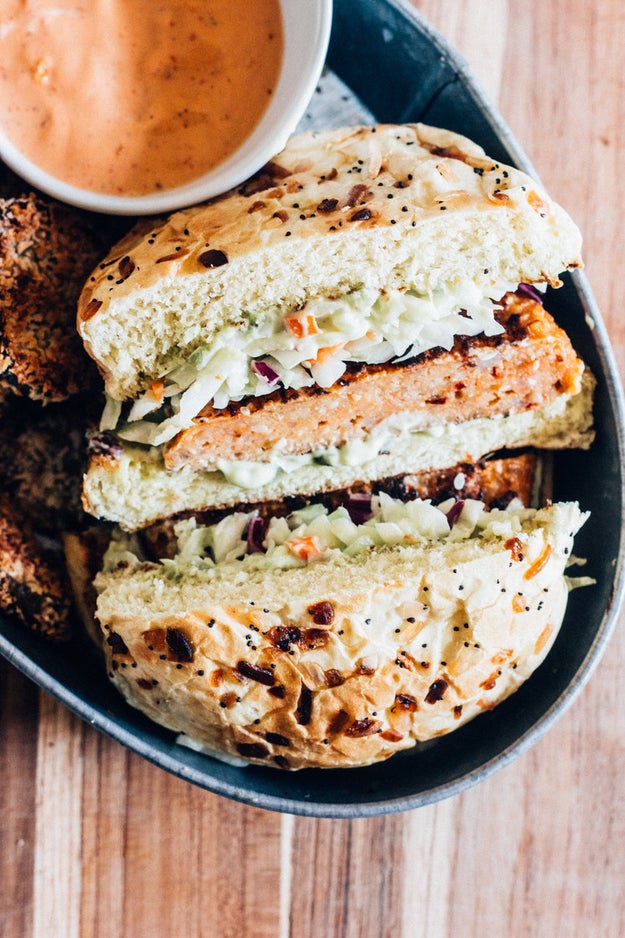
point(402, 70)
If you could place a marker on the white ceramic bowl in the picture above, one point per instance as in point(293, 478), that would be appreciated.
point(306, 26)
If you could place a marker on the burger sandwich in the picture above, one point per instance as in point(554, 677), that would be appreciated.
point(316, 561)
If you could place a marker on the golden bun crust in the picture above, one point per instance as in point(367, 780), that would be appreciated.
point(340, 663)
point(387, 206)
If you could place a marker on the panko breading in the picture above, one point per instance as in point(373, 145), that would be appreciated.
point(43, 462)
point(46, 252)
point(33, 587)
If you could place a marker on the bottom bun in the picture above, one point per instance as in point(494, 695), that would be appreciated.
point(129, 484)
point(344, 660)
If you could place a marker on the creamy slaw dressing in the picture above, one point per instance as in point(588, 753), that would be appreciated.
point(250, 474)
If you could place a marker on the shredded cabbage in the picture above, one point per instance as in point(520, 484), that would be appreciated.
point(392, 523)
point(362, 326)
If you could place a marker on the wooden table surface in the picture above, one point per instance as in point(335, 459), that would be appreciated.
point(94, 841)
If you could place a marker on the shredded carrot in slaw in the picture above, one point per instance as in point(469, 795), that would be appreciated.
point(518, 604)
point(158, 389)
point(539, 563)
point(542, 639)
point(301, 326)
point(305, 548)
point(325, 353)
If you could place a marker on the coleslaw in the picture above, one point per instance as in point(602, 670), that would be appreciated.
point(306, 347)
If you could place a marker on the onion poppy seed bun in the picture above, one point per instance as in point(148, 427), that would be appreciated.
point(345, 660)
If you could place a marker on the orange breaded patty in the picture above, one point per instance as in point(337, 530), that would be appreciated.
point(525, 367)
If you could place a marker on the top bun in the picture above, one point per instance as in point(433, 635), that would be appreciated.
point(383, 207)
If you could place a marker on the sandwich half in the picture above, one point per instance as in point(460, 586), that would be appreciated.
point(362, 308)
point(331, 642)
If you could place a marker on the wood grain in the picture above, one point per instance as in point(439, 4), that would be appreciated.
point(18, 756)
point(96, 842)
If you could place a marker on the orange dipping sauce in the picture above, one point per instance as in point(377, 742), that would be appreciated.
point(128, 97)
